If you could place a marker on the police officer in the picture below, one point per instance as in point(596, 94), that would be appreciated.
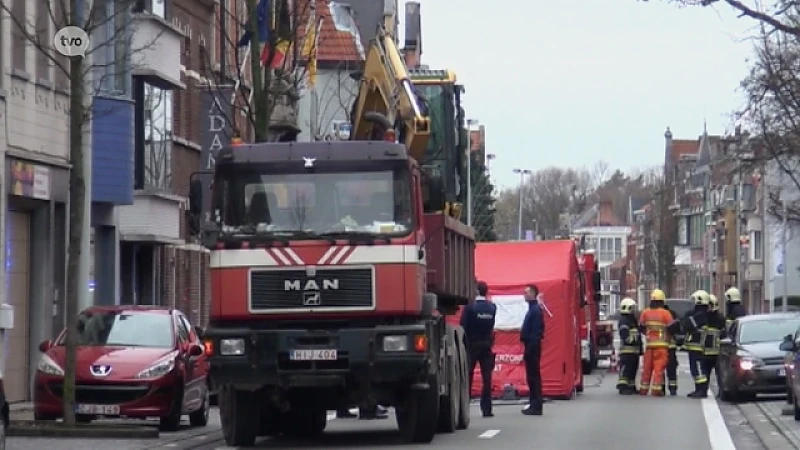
point(630, 347)
point(694, 324)
point(531, 336)
point(478, 323)
point(734, 308)
point(712, 333)
point(672, 363)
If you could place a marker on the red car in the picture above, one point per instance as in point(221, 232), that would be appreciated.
point(132, 361)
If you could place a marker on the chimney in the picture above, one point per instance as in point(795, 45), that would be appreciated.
point(412, 47)
point(667, 151)
point(605, 213)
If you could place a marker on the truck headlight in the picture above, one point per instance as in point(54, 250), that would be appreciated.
point(231, 347)
point(395, 343)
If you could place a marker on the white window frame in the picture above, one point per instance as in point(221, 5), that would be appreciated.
point(756, 243)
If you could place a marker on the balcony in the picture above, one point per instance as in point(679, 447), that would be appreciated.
point(156, 51)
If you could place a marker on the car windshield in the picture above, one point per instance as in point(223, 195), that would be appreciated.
point(125, 329)
point(255, 202)
point(770, 330)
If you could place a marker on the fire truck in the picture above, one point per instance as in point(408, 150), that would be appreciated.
point(592, 338)
point(334, 265)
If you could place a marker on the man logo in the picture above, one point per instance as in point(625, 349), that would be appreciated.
point(312, 299)
point(311, 285)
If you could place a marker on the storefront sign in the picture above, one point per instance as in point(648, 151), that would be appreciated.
point(215, 117)
point(30, 180)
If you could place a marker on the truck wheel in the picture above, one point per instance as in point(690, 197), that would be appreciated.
point(463, 385)
point(418, 416)
point(238, 413)
point(304, 423)
point(448, 403)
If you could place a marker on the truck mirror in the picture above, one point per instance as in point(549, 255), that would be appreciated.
point(596, 281)
point(598, 297)
point(195, 196)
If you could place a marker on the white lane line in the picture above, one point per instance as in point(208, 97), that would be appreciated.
point(718, 433)
point(488, 434)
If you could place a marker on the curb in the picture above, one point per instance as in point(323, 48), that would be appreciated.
point(767, 430)
point(29, 428)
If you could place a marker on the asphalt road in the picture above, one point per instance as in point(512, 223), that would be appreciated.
point(598, 419)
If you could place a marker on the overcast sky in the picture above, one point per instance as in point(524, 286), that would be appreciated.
point(573, 82)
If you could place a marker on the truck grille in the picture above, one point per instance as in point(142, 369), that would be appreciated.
point(328, 288)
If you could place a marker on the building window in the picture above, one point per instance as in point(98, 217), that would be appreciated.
point(617, 248)
point(111, 55)
point(155, 7)
point(43, 35)
point(157, 137)
point(19, 14)
point(756, 246)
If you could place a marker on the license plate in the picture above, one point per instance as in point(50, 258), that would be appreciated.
point(313, 355)
point(100, 410)
point(782, 372)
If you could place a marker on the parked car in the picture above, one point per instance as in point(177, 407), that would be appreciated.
point(132, 361)
point(791, 345)
point(751, 361)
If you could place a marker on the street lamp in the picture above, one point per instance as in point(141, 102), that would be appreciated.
point(522, 173)
point(470, 124)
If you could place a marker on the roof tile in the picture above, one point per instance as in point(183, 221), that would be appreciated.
point(335, 44)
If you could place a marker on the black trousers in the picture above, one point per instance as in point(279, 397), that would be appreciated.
point(629, 367)
point(710, 365)
point(672, 370)
point(533, 357)
point(696, 368)
point(480, 354)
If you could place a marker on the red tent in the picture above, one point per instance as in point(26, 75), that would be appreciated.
point(508, 267)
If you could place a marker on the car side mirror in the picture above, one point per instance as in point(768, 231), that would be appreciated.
point(725, 341)
point(788, 346)
point(199, 331)
point(45, 346)
point(195, 351)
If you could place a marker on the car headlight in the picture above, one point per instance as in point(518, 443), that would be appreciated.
point(395, 343)
point(162, 367)
point(50, 367)
point(749, 362)
point(231, 347)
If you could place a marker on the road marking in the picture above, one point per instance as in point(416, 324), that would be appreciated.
point(488, 434)
point(718, 434)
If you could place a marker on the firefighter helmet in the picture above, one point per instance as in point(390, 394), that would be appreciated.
point(658, 295)
point(700, 298)
point(626, 306)
point(733, 295)
point(713, 303)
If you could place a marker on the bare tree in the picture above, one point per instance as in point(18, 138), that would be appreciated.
point(109, 29)
point(262, 45)
point(775, 15)
point(773, 114)
point(600, 172)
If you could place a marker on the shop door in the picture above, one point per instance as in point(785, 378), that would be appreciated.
point(18, 245)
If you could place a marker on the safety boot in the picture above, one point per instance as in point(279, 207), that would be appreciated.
point(642, 391)
point(673, 392)
point(698, 394)
point(658, 393)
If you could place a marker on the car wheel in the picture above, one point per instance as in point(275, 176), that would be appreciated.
point(199, 418)
point(172, 421)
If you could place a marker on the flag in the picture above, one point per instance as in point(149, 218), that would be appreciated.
point(263, 25)
point(310, 47)
point(281, 49)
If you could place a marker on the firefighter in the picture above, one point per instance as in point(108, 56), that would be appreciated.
point(630, 347)
point(713, 331)
point(733, 304)
point(672, 363)
point(654, 322)
point(693, 324)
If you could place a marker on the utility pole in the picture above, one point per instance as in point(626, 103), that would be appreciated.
point(470, 124)
point(739, 284)
point(785, 299)
point(522, 173)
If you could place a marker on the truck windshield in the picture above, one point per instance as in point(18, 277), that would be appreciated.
point(313, 204)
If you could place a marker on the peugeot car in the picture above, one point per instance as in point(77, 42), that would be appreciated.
point(137, 362)
point(751, 361)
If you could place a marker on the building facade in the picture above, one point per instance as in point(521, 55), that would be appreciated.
point(33, 191)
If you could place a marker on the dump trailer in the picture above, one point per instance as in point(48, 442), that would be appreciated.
point(333, 267)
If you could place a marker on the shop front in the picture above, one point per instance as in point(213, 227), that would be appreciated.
point(35, 264)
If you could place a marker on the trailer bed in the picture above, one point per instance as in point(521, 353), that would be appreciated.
point(450, 257)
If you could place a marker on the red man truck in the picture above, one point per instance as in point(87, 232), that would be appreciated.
point(333, 266)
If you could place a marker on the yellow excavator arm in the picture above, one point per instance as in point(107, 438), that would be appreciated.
point(387, 101)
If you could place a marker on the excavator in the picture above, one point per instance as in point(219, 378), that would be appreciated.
point(333, 267)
